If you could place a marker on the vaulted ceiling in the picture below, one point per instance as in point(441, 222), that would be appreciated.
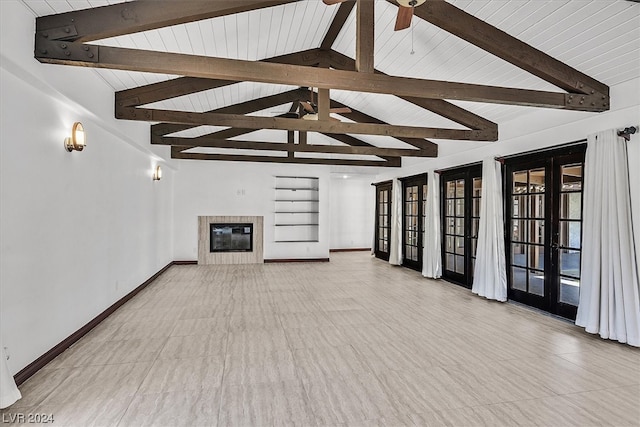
point(230, 109)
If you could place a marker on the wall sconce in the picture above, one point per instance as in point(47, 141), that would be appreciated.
point(77, 140)
point(157, 173)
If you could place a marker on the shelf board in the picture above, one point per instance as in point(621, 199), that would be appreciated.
point(298, 177)
point(295, 225)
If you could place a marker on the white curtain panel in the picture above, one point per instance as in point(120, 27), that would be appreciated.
point(609, 302)
point(9, 392)
point(395, 250)
point(432, 253)
point(490, 273)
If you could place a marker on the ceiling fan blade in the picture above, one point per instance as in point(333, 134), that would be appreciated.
point(307, 107)
point(334, 119)
point(330, 2)
point(342, 110)
point(403, 20)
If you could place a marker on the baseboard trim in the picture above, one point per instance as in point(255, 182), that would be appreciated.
point(274, 260)
point(41, 361)
point(187, 262)
point(351, 250)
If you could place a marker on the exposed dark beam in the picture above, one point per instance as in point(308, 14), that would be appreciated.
point(441, 107)
point(289, 147)
point(240, 108)
point(323, 104)
point(77, 54)
point(341, 17)
point(142, 15)
point(235, 132)
point(187, 85)
point(426, 146)
point(176, 153)
point(329, 126)
point(495, 41)
point(365, 35)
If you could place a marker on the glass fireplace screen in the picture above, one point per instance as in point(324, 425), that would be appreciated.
point(231, 237)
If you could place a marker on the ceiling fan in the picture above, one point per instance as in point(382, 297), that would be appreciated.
point(405, 11)
point(309, 109)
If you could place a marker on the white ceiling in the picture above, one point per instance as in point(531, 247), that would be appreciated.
point(599, 37)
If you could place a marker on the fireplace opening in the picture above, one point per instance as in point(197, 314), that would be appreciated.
point(231, 237)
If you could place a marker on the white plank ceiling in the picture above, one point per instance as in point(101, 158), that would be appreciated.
point(598, 37)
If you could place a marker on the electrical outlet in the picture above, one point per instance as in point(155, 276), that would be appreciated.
point(7, 353)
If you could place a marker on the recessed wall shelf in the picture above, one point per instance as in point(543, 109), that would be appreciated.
point(296, 209)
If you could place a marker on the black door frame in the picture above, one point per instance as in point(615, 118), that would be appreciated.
point(468, 173)
point(551, 160)
point(410, 181)
point(381, 186)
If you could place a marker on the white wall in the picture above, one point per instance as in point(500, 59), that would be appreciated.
point(78, 230)
point(352, 214)
point(230, 188)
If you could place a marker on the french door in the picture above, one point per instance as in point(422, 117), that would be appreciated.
point(544, 229)
point(413, 212)
point(383, 220)
point(461, 191)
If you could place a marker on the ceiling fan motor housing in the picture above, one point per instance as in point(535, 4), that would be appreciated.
point(410, 3)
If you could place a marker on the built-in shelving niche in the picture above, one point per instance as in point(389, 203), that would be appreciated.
point(296, 209)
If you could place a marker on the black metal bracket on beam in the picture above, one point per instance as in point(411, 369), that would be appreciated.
point(595, 102)
point(63, 50)
point(68, 32)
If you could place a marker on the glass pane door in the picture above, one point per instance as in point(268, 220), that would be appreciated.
point(544, 216)
point(461, 191)
point(383, 220)
point(413, 221)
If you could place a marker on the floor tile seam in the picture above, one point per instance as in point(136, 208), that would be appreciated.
point(592, 372)
point(373, 372)
point(575, 393)
point(133, 396)
point(298, 375)
point(224, 369)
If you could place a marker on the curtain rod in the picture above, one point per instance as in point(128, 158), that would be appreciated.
point(501, 159)
point(439, 171)
point(627, 132)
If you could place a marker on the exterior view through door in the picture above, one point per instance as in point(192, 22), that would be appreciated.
point(383, 220)
point(414, 197)
point(544, 236)
point(461, 192)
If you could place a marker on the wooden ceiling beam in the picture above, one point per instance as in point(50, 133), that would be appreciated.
point(329, 126)
point(177, 153)
point(235, 132)
point(358, 116)
point(240, 108)
point(206, 141)
point(365, 35)
point(181, 86)
point(338, 22)
point(142, 15)
point(78, 54)
point(438, 106)
point(504, 46)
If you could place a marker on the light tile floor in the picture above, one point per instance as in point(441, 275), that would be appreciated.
point(351, 342)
